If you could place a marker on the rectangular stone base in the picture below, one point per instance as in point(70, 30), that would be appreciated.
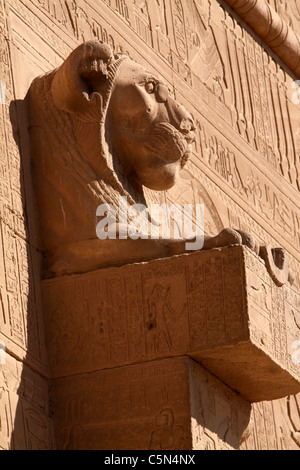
point(219, 307)
point(171, 404)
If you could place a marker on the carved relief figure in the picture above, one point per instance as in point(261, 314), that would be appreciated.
point(102, 126)
point(205, 58)
point(167, 435)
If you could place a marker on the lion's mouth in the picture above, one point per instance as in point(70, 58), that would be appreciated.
point(169, 143)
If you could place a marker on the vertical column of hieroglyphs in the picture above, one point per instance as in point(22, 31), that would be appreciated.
point(5, 417)
point(23, 393)
point(270, 88)
point(264, 108)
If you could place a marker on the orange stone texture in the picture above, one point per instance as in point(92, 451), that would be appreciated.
point(124, 344)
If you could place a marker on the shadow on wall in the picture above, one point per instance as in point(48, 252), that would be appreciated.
point(32, 427)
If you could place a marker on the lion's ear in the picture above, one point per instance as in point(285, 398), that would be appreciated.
point(82, 73)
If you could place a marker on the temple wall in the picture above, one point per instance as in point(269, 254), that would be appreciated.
point(245, 169)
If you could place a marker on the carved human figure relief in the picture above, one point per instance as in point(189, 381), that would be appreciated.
point(103, 127)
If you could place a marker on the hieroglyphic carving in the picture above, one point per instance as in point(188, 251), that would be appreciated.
point(23, 394)
point(289, 10)
point(164, 313)
point(18, 299)
point(4, 188)
point(167, 434)
point(146, 406)
point(288, 158)
point(142, 20)
point(249, 184)
point(121, 7)
point(258, 188)
point(238, 99)
point(180, 35)
point(261, 100)
point(219, 158)
point(293, 411)
point(159, 28)
point(10, 202)
point(149, 406)
point(204, 55)
point(268, 302)
point(62, 11)
point(275, 425)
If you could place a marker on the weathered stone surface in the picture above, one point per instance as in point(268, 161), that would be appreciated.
point(170, 404)
point(111, 129)
point(220, 307)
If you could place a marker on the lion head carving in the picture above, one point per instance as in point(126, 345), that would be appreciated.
point(101, 127)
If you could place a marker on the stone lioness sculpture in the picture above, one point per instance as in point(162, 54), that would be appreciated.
point(102, 127)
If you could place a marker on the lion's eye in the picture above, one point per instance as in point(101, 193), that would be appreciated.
point(150, 87)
